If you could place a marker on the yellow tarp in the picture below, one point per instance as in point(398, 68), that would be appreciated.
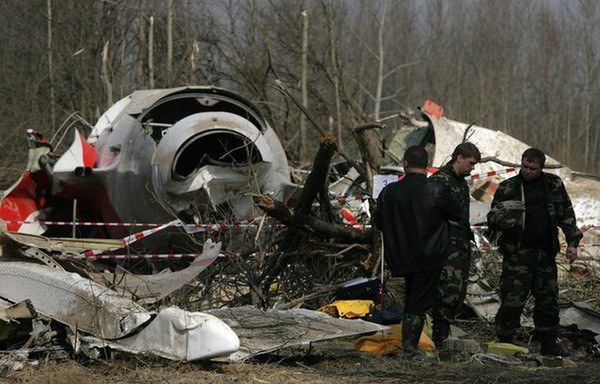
point(380, 344)
point(348, 308)
point(505, 349)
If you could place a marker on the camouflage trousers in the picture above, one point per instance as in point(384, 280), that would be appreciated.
point(523, 272)
point(451, 291)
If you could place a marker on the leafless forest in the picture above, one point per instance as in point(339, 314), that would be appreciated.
point(528, 68)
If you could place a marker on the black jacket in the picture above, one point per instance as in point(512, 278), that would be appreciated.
point(455, 191)
point(412, 215)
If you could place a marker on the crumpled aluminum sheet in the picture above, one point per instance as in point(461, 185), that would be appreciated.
point(268, 331)
point(72, 299)
point(175, 334)
point(159, 285)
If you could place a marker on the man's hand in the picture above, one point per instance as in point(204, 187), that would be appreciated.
point(507, 224)
point(571, 254)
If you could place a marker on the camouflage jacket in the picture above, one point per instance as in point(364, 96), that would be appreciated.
point(458, 189)
point(559, 208)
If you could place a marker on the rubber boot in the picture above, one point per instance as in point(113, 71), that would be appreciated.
point(441, 331)
point(411, 332)
point(549, 347)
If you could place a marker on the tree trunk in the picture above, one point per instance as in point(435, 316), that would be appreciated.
point(381, 63)
point(51, 69)
point(142, 47)
point(304, 85)
point(170, 43)
point(105, 75)
point(336, 80)
point(151, 52)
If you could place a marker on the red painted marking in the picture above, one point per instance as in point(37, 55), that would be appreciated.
point(88, 151)
point(431, 108)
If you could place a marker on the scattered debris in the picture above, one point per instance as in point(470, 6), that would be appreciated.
point(506, 349)
point(268, 331)
point(348, 309)
point(202, 168)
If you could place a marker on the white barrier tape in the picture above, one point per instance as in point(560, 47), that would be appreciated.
point(306, 171)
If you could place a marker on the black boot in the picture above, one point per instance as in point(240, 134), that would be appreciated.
point(506, 339)
point(411, 332)
point(549, 347)
point(441, 331)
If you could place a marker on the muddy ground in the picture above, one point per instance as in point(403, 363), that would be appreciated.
point(327, 362)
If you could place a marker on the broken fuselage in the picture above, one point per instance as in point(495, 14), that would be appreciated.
point(193, 153)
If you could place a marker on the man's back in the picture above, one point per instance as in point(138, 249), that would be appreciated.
point(399, 216)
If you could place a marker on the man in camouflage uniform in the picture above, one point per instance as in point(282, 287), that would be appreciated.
point(529, 245)
point(450, 181)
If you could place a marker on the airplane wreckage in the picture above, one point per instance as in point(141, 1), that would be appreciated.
point(167, 172)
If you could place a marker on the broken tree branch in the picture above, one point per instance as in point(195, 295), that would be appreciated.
point(509, 164)
point(318, 175)
point(279, 211)
point(368, 143)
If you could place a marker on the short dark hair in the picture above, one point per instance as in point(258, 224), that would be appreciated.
point(466, 150)
point(416, 157)
point(532, 154)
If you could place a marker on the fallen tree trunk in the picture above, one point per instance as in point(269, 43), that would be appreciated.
point(312, 225)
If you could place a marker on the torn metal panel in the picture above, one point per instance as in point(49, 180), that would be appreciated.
point(160, 285)
point(582, 315)
point(176, 334)
point(478, 212)
point(268, 331)
point(484, 303)
point(21, 310)
point(59, 244)
point(71, 299)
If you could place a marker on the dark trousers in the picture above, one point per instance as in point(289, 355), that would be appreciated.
point(421, 288)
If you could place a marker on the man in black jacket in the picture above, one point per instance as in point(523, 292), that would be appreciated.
point(414, 241)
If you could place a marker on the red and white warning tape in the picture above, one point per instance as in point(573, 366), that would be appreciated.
point(128, 240)
point(151, 256)
point(489, 174)
point(213, 226)
point(563, 246)
point(130, 256)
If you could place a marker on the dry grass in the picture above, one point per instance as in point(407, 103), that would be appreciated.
point(330, 362)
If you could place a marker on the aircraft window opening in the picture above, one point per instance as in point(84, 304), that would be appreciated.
point(224, 149)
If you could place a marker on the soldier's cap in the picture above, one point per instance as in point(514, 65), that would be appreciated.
point(510, 209)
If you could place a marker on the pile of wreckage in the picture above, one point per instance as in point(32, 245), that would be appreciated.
point(175, 229)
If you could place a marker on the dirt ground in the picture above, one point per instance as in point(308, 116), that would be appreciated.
point(328, 362)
